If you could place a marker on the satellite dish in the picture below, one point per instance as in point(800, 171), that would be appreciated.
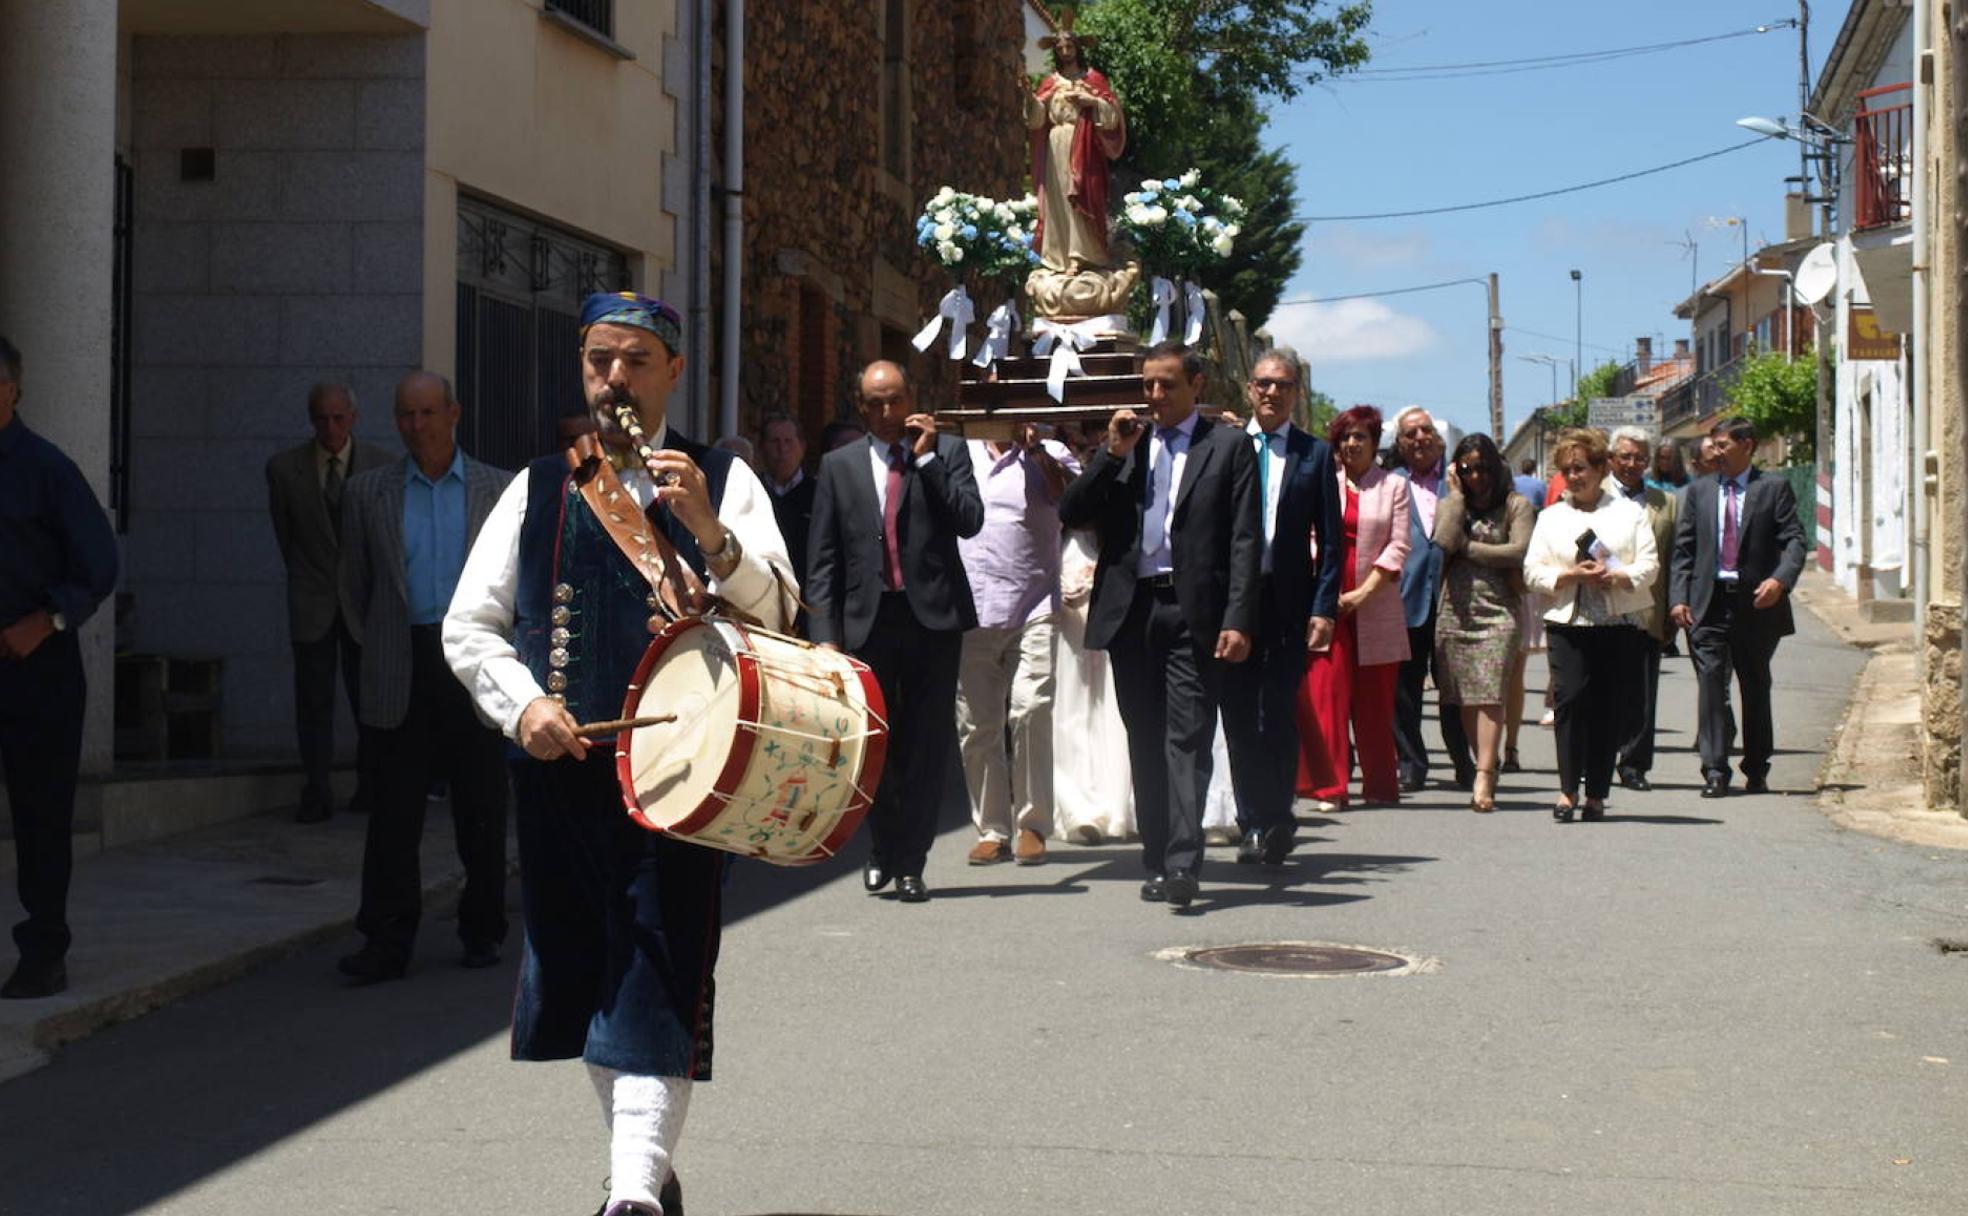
point(1817, 274)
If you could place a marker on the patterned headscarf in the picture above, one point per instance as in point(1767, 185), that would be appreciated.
point(638, 310)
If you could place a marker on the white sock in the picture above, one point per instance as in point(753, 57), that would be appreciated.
point(645, 1119)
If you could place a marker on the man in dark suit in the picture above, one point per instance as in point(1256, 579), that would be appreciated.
point(1175, 597)
point(1419, 448)
point(886, 584)
point(782, 449)
point(305, 485)
point(406, 528)
point(1298, 495)
point(1738, 551)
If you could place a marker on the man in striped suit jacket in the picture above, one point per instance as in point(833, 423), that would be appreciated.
point(406, 528)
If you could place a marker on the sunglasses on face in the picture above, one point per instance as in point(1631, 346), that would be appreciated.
point(1467, 471)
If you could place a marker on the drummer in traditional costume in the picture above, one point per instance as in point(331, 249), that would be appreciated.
point(548, 624)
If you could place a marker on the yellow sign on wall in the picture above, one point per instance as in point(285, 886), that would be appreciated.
point(1865, 340)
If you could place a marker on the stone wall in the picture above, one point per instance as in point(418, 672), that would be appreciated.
point(301, 261)
point(1941, 706)
point(829, 235)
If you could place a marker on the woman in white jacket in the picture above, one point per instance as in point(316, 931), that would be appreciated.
point(1593, 558)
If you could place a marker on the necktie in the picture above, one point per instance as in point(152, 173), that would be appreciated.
point(331, 493)
point(891, 512)
point(1154, 528)
point(1264, 450)
point(1731, 526)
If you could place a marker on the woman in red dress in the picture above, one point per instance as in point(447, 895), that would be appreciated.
point(1347, 700)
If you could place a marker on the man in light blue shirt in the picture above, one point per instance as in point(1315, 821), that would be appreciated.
point(406, 528)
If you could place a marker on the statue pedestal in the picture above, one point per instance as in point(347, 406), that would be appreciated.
point(1070, 296)
point(992, 403)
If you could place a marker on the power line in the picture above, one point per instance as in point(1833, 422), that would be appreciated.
point(1528, 198)
point(1373, 295)
point(1499, 67)
point(1532, 333)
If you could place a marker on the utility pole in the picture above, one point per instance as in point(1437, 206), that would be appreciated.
point(1496, 363)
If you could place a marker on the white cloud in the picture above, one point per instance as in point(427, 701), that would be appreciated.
point(1350, 331)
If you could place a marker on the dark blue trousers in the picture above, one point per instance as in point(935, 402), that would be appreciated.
point(41, 700)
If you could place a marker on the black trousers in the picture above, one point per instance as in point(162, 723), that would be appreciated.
point(1724, 642)
point(1589, 685)
point(1260, 717)
point(917, 670)
point(1166, 681)
point(1411, 748)
point(440, 736)
point(41, 702)
point(1640, 701)
point(314, 713)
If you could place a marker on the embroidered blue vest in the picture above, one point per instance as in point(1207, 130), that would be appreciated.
point(581, 612)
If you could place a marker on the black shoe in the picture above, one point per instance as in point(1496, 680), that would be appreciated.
point(671, 1196)
point(371, 965)
point(1511, 763)
point(1250, 850)
point(480, 956)
point(1465, 779)
point(1155, 890)
point(1181, 891)
point(1278, 842)
point(1715, 787)
point(910, 890)
point(34, 980)
point(1756, 785)
point(873, 876)
point(1634, 779)
point(1592, 814)
point(1561, 813)
point(1411, 784)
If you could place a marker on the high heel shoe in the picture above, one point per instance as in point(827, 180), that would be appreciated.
point(1563, 812)
point(1480, 801)
point(1510, 764)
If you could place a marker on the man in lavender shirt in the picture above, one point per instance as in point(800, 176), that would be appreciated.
point(1004, 685)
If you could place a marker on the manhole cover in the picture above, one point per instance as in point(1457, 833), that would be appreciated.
point(1297, 958)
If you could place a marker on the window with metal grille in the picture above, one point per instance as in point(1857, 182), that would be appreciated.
point(520, 287)
point(597, 15)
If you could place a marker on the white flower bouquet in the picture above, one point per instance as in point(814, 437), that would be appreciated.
point(1179, 225)
point(969, 234)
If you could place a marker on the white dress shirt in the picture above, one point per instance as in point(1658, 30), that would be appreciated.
point(1273, 456)
point(478, 628)
point(1165, 461)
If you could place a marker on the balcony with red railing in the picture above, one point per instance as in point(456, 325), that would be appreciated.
point(1882, 157)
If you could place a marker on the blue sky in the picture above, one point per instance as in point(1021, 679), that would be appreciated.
point(1371, 146)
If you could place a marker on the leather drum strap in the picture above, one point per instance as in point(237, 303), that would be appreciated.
point(679, 591)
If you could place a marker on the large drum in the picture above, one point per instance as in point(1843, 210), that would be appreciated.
point(775, 748)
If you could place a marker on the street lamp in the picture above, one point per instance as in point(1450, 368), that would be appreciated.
point(1552, 362)
point(1578, 324)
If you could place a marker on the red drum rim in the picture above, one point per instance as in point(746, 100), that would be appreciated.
point(736, 761)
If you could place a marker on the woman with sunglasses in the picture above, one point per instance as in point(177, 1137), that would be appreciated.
point(1347, 699)
point(1593, 557)
point(1484, 528)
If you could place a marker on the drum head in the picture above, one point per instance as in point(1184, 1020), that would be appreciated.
point(672, 768)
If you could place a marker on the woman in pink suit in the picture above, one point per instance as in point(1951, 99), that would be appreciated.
point(1351, 684)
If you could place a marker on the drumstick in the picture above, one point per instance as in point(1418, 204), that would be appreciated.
point(592, 729)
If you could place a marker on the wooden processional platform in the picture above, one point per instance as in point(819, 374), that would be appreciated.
point(992, 402)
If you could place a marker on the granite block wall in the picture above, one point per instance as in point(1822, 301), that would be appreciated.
point(300, 261)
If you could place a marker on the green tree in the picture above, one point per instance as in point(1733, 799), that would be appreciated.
point(1195, 76)
point(1318, 412)
point(1578, 411)
point(1780, 397)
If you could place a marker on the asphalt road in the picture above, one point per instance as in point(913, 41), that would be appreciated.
point(1693, 1007)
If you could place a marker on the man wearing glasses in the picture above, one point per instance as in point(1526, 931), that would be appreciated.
point(1298, 600)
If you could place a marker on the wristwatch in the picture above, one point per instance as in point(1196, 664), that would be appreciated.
point(59, 621)
point(724, 559)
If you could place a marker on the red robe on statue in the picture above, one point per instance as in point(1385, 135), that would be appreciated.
point(1093, 148)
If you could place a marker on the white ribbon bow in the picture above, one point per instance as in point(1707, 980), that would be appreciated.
point(1162, 296)
point(957, 309)
point(1064, 343)
point(1192, 333)
point(1002, 324)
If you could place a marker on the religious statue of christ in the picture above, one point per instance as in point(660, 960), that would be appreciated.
point(1077, 127)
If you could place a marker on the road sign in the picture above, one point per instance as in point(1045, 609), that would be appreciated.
point(1606, 413)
